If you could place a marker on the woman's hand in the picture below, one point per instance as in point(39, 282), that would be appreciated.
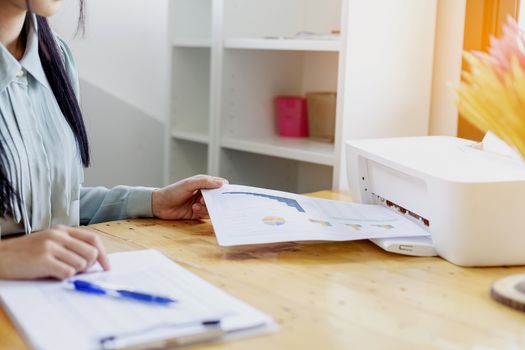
point(183, 200)
point(60, 252)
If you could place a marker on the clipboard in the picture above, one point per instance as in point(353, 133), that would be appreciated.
point(212, 331)
point(86, 320)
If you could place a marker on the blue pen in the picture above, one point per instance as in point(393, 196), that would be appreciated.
point(116, 292)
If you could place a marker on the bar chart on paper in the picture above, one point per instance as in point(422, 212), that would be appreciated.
point(288, 201)
point(248, 215)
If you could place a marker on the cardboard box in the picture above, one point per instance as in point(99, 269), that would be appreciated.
point(321, 115)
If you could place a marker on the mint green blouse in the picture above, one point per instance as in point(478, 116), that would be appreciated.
point(44, 162)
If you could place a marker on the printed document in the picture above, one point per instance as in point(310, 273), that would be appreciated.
point(53, 317)
point(244, 215)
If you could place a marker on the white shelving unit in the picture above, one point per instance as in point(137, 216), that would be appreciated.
point(283, 44)
point(192, 136)
point(191, 42)
point(230, 58)
point(295, 149)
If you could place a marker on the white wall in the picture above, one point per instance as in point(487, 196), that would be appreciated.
point(126, 144)
point(124, 50)
point(123, 67)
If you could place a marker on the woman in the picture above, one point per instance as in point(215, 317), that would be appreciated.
point(43, 149)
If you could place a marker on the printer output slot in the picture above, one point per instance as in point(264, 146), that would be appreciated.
point(399, 209)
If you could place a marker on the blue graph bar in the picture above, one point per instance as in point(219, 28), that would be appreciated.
point(288, 201)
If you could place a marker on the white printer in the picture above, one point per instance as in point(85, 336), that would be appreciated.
point(471, 200)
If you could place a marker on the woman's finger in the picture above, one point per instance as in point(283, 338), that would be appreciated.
point(59, 270)
point(76, 261)
point(93, 240)
point(199, 211)
point(202, 181)
point(61, 235)
point(85, 250)
point(224, 181)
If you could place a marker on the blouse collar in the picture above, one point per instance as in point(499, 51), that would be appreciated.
point(10, 67)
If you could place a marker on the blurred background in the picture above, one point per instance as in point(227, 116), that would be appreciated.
point(265, 92)
point(122, 62)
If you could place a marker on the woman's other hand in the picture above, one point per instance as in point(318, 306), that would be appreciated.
point(60, 252)
point(183, 200)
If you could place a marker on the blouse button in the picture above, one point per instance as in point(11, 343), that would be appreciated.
point(20, 73)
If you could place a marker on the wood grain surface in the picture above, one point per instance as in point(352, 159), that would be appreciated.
point(348, 295)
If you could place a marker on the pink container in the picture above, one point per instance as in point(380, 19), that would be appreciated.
point(291, 116)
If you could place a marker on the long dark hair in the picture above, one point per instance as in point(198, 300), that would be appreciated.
point(53, 65)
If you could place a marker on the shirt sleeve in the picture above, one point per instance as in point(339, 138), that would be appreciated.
point(100, 204)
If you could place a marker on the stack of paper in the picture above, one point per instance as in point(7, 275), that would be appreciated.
point(53, 317)
point(249, 215)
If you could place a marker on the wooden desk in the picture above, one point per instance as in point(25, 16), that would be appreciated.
point(347, 295)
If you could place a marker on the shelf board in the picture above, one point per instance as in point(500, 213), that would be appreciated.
point(301, 149)
point(193, 136)
point(192, 42)
point(283, 44)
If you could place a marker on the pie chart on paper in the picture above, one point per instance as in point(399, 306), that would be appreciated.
point(274, 220)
